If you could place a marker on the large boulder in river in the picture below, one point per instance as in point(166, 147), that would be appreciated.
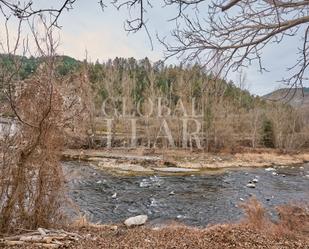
point(136, 220)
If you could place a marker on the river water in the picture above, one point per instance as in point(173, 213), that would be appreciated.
point(206, 198)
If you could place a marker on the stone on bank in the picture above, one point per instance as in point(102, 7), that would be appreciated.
point(136, 220)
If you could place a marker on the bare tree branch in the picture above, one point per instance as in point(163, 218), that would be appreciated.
point(235, 32)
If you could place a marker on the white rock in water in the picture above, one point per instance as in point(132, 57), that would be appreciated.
point(275, 174)
point(144, 183)
point(153, 202)
point(270, 169)
point(251, 185)
point(136, 220)
point(255, 180)
point(114, 196)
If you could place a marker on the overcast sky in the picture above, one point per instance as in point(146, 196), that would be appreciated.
point(101, 34)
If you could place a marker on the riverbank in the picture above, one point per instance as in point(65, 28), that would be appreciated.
point(182, 161)
point(102, 196)
point(195, 199)
point(181, 237)
point(217, 237)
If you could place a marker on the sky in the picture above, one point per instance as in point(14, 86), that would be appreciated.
point(87, 30)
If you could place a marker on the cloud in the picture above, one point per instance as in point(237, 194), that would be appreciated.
point(103, 44)
point(98, 44)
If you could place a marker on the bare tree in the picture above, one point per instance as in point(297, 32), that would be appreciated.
point(233, 33)
point(29, 155)
point(23, 10)
point(42, 106)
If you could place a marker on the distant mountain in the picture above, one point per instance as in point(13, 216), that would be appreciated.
point(296, 97)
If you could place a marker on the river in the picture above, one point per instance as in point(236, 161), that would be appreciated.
point(201, 199)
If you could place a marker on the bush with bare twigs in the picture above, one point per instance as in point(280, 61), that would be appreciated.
point(31, 176)
point(44, 108)
point(293, 220)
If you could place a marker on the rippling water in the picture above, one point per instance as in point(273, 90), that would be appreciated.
point(201, 199)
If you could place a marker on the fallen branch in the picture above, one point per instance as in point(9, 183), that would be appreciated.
point(42, 237)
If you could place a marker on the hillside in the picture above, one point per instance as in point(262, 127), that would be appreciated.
point(298, 98)
point(28, 65)
point(151, 99)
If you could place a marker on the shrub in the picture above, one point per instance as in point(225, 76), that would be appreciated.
point(267, 136)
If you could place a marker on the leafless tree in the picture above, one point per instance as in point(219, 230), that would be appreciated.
point(233, 33)
point(43, 106)
point(23, 10)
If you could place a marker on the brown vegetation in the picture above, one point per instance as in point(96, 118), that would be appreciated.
point(293, 220)
point(42, 108)
point(46, 108)
point(30, 197)
point(256, 231)
point(229, 116)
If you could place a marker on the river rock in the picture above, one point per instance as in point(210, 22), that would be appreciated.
point(251, 185)
point(151, 181)
point(270, 169)
point(153, 202)
point(136, 220)
point(144, 183)
point(255, 180)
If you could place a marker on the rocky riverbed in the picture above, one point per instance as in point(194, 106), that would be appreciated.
point(194, 198)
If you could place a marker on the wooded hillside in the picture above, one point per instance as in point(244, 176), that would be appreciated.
point(229, 116)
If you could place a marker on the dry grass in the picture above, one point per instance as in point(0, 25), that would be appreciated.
point(256, 216)
point(256, 232)
point(293, 219)
point(83, 223)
